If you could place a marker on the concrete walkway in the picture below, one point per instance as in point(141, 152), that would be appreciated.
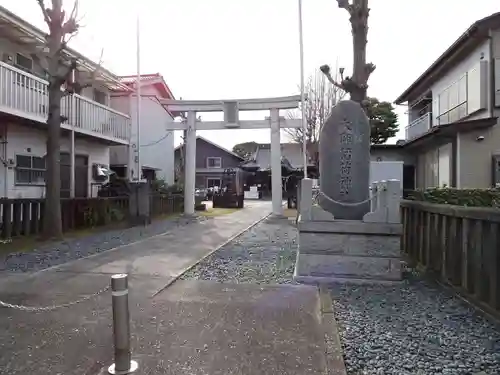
point(78, 339)
point(164, 256)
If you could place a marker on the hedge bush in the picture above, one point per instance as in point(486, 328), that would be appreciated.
point(458, 197)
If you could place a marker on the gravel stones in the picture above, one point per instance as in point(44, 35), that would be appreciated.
point(263, 255)
point(413, 328)
point(52, 254)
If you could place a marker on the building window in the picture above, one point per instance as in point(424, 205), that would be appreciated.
point(99, 97)
point(453, 102)
point(24, 63)
point(214, 162)
point(30, 170)
point(212, 182)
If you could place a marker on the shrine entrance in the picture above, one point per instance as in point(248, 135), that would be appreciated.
point(231, 109)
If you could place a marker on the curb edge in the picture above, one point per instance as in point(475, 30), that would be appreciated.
point(334, 355)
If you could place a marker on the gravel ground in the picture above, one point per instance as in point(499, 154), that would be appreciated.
point(49, 255)
point(263, 255)
point(413, 328)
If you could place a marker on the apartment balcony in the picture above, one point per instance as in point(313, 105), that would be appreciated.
point(419, 126)
point(25, 95)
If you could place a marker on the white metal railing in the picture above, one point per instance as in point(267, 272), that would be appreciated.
point(419, 126)
point(25, 95)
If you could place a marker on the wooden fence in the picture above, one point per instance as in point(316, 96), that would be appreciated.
point(460, 244)
point(24, 217)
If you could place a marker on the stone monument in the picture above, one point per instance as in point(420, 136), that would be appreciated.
point(344, 151)
point(353, 235)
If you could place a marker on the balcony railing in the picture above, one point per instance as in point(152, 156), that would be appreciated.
point(25, 95)
point(419, 126)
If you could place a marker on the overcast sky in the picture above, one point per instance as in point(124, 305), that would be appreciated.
point(221, 49)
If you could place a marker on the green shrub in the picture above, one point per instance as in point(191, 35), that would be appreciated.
point(458, 197)
point(160, 186)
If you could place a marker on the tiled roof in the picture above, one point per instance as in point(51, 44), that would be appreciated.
point(128, 80)
point(154, 79)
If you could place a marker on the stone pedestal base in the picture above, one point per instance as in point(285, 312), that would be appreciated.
point(348, 251)
point(139, 204)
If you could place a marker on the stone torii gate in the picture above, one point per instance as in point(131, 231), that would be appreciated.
point(231, 109)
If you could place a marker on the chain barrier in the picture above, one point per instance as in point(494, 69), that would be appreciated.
point(316, 196)
point(123, 363)
point(53, 307)
point(346, 204)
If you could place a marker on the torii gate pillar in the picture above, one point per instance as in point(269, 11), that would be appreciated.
point(190, 164)
point(276, 182)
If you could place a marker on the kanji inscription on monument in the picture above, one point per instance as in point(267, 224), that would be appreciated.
point(344, 154)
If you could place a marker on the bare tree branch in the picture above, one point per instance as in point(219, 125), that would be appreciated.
point(74, 11)
point(71, 26)
point(322, 97)
point(45, 12)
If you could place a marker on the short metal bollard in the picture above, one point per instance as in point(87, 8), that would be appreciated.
point(121, 327)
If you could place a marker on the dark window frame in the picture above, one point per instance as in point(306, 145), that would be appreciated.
point(33, 172)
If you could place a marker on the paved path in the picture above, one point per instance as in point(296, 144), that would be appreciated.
point(77, 339)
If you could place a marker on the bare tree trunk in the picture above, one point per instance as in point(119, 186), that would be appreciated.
point(61, 71)
point(52, 216)
point(359, 25)
point(356, 85)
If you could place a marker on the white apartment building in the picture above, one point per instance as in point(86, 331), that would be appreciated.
point(99, 123)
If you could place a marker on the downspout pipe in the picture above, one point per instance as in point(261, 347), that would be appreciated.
point(492, 74)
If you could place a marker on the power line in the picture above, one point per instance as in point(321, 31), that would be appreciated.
point(157, 141)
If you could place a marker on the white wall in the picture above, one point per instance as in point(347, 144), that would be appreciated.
point(386, 170)
point(471, 62)
point(381, 154)
point(21, 138)
point(119, 154)
point(156, 143)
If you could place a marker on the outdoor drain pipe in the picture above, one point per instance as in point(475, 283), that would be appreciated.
point(121, 327)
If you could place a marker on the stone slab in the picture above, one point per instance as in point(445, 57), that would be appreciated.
point(348, 250)
point(215, 328)
point(331, 280)
point(349, 226)
point(319, 214)
point(343, 266)
point(350, 244)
